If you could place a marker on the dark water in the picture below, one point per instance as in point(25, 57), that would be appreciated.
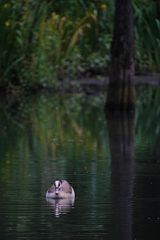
point(113, 163)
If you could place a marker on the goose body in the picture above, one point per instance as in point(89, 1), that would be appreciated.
point(61, 189)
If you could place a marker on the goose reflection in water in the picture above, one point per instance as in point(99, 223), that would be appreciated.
point(60, 206)
point(61, 197)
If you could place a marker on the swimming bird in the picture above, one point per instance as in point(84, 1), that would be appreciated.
point(61, 189)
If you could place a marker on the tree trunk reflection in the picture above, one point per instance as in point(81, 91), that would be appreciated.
point(121, 138)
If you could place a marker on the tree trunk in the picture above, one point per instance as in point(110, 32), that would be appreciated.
point(121, 90)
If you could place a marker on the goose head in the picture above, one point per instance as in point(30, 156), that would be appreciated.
point(61, 189)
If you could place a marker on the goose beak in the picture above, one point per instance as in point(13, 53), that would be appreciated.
point(57, 191)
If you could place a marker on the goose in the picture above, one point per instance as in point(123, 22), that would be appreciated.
point(61, 189)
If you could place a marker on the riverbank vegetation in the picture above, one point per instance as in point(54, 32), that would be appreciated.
point(49, 42)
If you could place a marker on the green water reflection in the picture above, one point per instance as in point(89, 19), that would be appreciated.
point(111, 161)
point(43, 138)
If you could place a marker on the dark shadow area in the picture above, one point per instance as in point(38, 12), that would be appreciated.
point(121, 139)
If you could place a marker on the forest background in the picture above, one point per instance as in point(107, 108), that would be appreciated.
point(46, 43)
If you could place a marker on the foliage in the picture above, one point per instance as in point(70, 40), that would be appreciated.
point(57, 54)
point(8, 50)
point(147, 34)
point(18, 23)
point(43, 42)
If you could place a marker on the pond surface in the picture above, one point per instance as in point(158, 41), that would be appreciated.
point(112, 162)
